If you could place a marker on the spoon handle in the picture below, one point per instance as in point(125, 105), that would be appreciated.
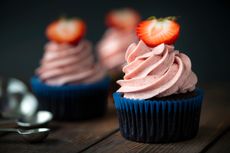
point(8, 130)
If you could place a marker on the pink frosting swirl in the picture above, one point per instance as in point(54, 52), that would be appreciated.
point(156, 72)
point(68, 64)
point(111, 49)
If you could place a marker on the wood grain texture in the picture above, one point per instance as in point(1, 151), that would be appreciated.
point(98, 135)
point(68, 137)
point(214, 121)
point(222, 145)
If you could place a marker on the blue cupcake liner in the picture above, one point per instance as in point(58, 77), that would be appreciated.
point(157, 121)
point(72, 102)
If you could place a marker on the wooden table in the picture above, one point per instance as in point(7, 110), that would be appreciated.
point(102, 135)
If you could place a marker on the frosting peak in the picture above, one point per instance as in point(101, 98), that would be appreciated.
point(158, 71)
point(111, 49)
point(69, 64)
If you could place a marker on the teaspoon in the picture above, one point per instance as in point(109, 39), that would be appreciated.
point(41, 118)
point(32, 135)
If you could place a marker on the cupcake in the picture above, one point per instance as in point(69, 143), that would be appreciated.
point(69, 82)
point(158, 100)
point(121, 32)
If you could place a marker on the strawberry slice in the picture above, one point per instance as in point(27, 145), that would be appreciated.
point(124, 19)
point(156, 31)
point(66, 30)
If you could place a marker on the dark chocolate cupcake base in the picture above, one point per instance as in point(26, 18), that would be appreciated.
point(157, 121)
point(72, 102)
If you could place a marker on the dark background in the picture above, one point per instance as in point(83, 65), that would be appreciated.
point(204, 33)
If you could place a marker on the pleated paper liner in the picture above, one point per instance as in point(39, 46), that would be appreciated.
point(72, 102)
point(159, 121)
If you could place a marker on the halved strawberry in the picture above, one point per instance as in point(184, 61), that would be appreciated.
point(125, 19)
point(156, 31)
point(66, 30)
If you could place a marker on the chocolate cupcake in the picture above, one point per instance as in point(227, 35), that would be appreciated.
point(69, 82)
point(112, 46)
point(158, 100)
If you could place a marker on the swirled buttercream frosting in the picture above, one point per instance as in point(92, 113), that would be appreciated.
point(156, 72)
point(111, 49)
point(69, 64)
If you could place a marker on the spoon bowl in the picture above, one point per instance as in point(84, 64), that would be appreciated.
point(15, 99)
point(31, 135)
point(40, 119)
point(34, 135)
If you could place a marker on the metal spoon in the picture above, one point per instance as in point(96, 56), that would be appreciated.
point(41, 118)
point(15, 99)
point(32, 135)
point(16, 105)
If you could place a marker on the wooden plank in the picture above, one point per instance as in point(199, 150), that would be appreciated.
point(214, 120)
point(68, 137)
point(222, 145)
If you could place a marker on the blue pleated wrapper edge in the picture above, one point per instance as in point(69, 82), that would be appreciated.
point(72, 102)
point(157, 121)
